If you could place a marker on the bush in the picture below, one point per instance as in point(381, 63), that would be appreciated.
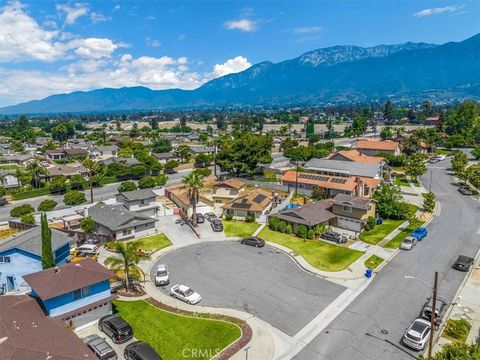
point(288, 229)
point(273, 223)
point(250, 218)
point(73, 198)
point(228, 217)
point(205, 172)
point(310, 234)
point(147, 182)
point(457, 330)
point(371, 222)
point(302, 231)
point(28, 219)
point(21, 210)
point(429, 201)
point(127, 186)
point(282, 226)
point(47, 205)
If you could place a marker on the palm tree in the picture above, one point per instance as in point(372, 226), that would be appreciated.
point(126, 261)
point(95, 169)
point(34, 169)
point(193, 183)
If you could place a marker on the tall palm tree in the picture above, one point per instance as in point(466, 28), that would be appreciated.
point(193, 183)
point(95, 169)
point(35, 169)
point(126, 261)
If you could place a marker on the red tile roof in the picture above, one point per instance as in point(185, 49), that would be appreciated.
point(356, 156)
point(375, 144)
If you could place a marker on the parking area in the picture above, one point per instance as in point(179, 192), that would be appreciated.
point(264, 282)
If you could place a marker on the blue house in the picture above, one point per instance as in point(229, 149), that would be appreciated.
point(22, 254)
point(78, 293)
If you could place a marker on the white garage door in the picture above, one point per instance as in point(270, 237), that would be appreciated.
point(349, 224)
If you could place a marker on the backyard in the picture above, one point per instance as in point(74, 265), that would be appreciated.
point(319, 254)
point(171, 334)
point(234, 228)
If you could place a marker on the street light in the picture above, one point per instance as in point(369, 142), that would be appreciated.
point(434, 305)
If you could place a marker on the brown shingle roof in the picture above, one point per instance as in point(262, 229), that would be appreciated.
point(356, 156)
point(354, 201)
point(256, 200)
point(374, 144)
point(53, 282)
point(309, 214)
point(230, 183)
point(76, 151)
point(66, 170)
point(28, 334)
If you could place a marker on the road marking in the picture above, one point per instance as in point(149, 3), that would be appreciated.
point(438, 210)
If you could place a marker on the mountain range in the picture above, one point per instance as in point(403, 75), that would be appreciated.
point(334, 74)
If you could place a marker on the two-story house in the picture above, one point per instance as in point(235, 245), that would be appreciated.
point(352, 212)
point(8, 179)
point(77, 294)
point(22, 254)
point(141, 201)
point(105, 151)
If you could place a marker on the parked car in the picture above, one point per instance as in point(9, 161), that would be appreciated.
point(82, 256)
point(210, 216)
point(434, 160)
point(92, 248)
point(200, 218)
point(100, 347)
point(253, 241)
point(419, 233)
point(440, 308)
point(441, 157)
point(408, 243)
point(116, 328)
point(139, 350)
point(463, 263)
point(465, 191)
point(161, 275)
point(216, 225)
point(334, 236)
point(186, 294)
point(417, 334)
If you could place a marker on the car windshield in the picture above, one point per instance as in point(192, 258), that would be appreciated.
point(188, 292)
point(161, 272)
point(407, 241)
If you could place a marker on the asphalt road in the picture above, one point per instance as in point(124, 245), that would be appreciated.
point(263, 282)
point(372, 326)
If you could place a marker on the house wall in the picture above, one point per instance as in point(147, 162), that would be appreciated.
point(136, 232)
point(136, 205)
point(355, 213)
point(21, 263)
point(375, 152)
point(62, 253)
point(309, 189)
point(9, 181)
point(223, 195)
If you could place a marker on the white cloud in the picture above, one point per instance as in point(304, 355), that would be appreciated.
point(97, 17)
point(438, 10)
point(181, 37)
point(72, 12)
point(94, 48)
point(231, 66)
point(244, 25)
point(307, 30)
point(117, 7)
point(152, 42)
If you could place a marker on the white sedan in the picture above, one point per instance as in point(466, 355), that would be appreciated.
point(185, 294)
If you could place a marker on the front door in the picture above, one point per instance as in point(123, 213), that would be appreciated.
point(10, 283)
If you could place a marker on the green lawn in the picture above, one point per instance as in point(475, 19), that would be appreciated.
point(373, 261)
point(319, 254)
point(457, 330)
point(397, 240)
point(172, 335)
point(402, 181)
point(444, 152)
point(380, 231)
point(30, 193)
point(9, 167)
point(150, 243)
point(239, 228)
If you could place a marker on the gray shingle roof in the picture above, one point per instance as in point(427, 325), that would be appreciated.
point(31, 241)
point(346, 167)
point(126, 161)
point(106, 148)
point(140, 194)
point(116, 217)
point(309, 214)
point(354, 201)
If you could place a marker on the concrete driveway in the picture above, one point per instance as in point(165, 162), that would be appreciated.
point(263, 282)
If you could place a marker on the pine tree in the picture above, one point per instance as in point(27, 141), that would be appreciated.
point(48, 260)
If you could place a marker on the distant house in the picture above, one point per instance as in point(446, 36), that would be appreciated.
point(253, 203)
point(77, 294)
point(126, 161)
point(195, 150)
point(67, 170)
point(141, 201)
point(105, 151)
point(352, 212)
point(55, 154)
point(310, 215)
point(165, 156)
point(118, 223)
point(8, 179)
point(17, 159)
point(432, 120)
point(373, 147)
point(22, 254)
point(227, 190)
point(356, 156)
point(75, 153)
point(26, 333)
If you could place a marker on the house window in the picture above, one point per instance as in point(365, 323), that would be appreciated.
point(81, 293)
point(142, 202)
point(127, 232)
point(4, 259)
point(347, 208)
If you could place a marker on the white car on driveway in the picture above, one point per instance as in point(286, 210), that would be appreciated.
point(161, 275)
point(185, 294)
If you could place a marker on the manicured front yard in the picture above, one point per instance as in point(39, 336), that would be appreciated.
point(239, 228)
point(373, 261)
point(397, 240)
point(174, 336)
point(319, 254)
point(379, 232)
point(150, 243)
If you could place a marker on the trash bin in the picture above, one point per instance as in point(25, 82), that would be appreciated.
point(379, 221)
point(368, 273)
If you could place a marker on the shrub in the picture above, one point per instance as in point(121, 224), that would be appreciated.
point(127, 186)
point(302, 231)
point(310, 234)
point(74, 197)
point(273, 223)
point(457, 330)
point(21, 210)
point(28, 219)
point(205, 172)
point(147, 182)
point(228, 217)
point(371, 222)
point(429, 201)
point(282, 226)
point(47, 205)
point(288, 229)
point(250, 218)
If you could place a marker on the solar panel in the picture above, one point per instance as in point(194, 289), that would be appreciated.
point(242, 206)
point(259, 198)
point(339, 181)
point(314, 177)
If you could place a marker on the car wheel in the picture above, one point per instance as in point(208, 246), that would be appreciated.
point(257, 246)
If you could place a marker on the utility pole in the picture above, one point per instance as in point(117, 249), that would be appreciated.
point(215, 159)
point(432, 323)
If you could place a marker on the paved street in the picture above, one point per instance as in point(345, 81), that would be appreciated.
point(263, 282)
point(372, 326)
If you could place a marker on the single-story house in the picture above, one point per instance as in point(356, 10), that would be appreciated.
point(67, 170)
point(356, 156)
point(126, 161)
point(345, 168)
point(118, 223)
point(75, 153)
point(141, 201)
point(22, 254)
point(26, 333)
point(328, 185)
point(18, 159)
point(55, 154)
point(253, 203)
point(77, 294)
point(180, 198)
point(222, 192)
point(195, 150)
point(373, 147)
point(310, 215)
point(8, 179)
point(105, 151)
point(352, 212)
point(165, 156)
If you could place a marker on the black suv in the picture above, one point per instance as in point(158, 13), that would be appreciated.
point(200, 218)
point(440, 307)
point(116, 328)
point(216, 225)
point(463, 263)
point(139, 350)
point(334, 236)
point(253, 241)
point(465, 191)
point(100, 348)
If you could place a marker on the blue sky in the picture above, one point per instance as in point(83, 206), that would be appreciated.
point(49, 47)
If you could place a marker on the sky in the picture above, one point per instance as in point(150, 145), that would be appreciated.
point(50, 47)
